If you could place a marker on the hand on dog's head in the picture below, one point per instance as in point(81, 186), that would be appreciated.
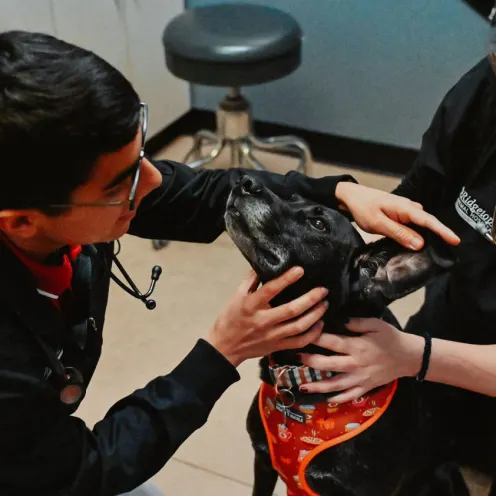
point(275, 234)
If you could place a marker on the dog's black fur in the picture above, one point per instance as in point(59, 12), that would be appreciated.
point(412, 448)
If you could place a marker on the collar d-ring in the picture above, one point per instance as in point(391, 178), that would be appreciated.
point(281, 394)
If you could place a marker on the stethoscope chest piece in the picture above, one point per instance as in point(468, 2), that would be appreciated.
point(73, 390)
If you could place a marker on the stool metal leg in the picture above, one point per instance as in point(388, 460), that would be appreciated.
point(237, 152)
point(282, 143)
point(199, 139)
point(249, 159)
point(194, 150)
point(208, 158)
point(207, 135)
point(158, 244)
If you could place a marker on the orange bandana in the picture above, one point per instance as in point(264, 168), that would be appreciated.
point(296, 437)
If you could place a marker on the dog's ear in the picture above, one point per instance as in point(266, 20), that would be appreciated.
point(384, 271)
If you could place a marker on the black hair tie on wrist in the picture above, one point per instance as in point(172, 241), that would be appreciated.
point(425, 358)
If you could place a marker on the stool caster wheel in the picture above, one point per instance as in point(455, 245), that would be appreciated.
point(158, 244)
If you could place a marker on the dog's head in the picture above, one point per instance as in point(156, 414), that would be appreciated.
point(275, 234)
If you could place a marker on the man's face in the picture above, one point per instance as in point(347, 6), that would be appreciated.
point(110, 181)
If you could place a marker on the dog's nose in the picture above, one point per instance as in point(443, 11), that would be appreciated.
point(249, 185)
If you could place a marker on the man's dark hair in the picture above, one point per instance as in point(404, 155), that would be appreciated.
point(61, 107)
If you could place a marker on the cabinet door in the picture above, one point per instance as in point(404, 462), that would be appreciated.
point(27, 15)
point(168, 97)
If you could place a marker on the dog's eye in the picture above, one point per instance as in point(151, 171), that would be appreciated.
point(293, 197)
point(318, 224)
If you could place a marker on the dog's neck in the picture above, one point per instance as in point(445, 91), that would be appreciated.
point(339, 312)
point(335, 319)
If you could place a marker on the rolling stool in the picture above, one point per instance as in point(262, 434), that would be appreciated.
point(234, 45)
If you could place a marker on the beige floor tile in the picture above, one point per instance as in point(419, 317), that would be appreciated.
point(179, 479)
point(139, 344)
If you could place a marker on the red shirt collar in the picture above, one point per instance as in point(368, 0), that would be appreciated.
point(51, 279)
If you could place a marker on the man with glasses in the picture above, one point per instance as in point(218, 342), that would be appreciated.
point(75, 179)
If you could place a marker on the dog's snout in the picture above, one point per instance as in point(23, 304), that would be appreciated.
point(249, 186)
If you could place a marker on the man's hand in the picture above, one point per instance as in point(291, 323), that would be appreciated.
point(378, 212)
point(250, 327)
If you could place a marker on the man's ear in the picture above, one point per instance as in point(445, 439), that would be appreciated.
point(384, 271)
point(17, 223)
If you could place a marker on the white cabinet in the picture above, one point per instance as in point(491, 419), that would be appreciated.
point(126, 33)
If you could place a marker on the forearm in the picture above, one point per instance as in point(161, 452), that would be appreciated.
point(462, 365)
point(190, 205)
point(52, 451)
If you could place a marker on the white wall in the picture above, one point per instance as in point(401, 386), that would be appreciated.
point(126, 33)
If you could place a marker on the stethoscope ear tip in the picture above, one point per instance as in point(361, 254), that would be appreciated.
point(150, 304)
point(156, 272)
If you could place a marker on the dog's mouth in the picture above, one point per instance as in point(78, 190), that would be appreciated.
point(235, 221)
point(269, 257)
point(231, 206)
point(245, 224)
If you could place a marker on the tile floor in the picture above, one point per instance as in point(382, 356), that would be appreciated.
point(139, 345)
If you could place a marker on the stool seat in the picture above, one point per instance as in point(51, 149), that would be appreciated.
point(232, 45)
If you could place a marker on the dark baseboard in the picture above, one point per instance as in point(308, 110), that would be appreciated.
point(327, 148)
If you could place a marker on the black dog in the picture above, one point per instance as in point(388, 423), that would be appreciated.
point(406, 447)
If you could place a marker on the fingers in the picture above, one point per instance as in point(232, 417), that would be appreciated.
point(424, 219)
point(270, 290)
point(350, 395)
point(412, 212)
point(365, 325)
point(337, 363)
point(302, 340)
point(296, 307)
point(303, 323)
point(340, 382)
point(400, 233)
point(332, 342)
point(249, 283)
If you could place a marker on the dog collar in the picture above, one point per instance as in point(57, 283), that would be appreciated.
point(289, 376)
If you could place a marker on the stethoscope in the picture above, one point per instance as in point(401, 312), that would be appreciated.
point(69, 380)
point(133, 289)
